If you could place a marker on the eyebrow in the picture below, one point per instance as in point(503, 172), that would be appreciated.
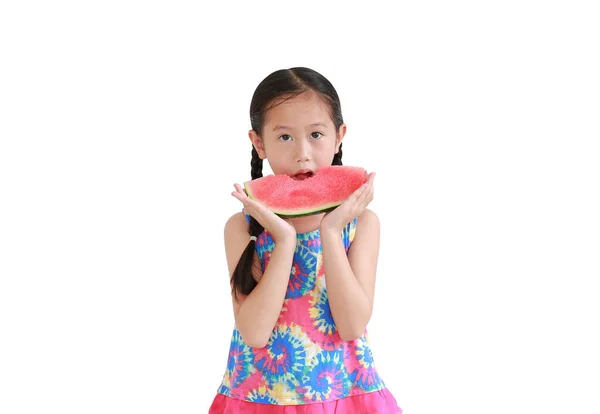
point(287, 127)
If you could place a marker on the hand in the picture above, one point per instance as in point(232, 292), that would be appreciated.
point(280, 229)
point(352, 207)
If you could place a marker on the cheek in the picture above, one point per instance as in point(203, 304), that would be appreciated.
point(327, 145)
point(278, 165)
point(325, 153)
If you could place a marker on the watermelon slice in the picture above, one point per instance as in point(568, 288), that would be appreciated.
point(306, 194)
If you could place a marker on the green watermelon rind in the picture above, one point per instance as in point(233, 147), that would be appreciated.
point(307, 212)
point(293, 214)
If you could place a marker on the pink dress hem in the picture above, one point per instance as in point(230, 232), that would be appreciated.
point(379, 402)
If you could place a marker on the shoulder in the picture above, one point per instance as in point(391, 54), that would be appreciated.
point(367, 225)
point(236, 237)
point(367, 219)
point(236, 223)
point(364, 250)
point(366, 230)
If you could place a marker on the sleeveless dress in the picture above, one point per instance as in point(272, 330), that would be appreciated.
point(305, 367)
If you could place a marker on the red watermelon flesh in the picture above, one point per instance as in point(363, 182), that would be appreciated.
point(308, 194)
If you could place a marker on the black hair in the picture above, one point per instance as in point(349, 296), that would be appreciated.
point(281, 84)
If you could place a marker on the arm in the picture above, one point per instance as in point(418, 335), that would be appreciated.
point(256, 314)
point(351, 279)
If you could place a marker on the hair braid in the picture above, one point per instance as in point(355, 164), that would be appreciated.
point(256, 172)
point(337, 158)
point(242, 279)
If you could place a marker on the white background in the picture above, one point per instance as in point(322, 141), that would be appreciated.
point(124, 124)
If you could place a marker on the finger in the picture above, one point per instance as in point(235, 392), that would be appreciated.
point(371, 191)
point(239, 188)
point(367, 195)
point(257, 208)
point(370, 185)
point(239, 197)
point(363, 199)
point(361, 190)
point(372, 178)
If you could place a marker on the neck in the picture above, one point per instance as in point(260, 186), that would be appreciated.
point(308, 223)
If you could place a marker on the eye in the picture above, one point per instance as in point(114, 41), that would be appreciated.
point(281, 137)
point(319, 135)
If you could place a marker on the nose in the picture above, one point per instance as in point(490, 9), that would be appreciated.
point(302, 151)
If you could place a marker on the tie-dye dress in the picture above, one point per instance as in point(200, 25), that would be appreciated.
point(305, 362)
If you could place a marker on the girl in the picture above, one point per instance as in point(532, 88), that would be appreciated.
point(300, 343)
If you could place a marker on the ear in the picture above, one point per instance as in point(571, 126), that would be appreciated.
point(258, 143)
point(339, 137)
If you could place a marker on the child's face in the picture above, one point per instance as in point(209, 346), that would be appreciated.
point(298, 135)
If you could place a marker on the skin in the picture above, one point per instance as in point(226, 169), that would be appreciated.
point(290, 142)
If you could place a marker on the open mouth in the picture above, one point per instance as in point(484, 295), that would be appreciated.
point(302, 176)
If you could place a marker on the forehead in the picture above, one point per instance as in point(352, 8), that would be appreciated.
point(299, 111)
